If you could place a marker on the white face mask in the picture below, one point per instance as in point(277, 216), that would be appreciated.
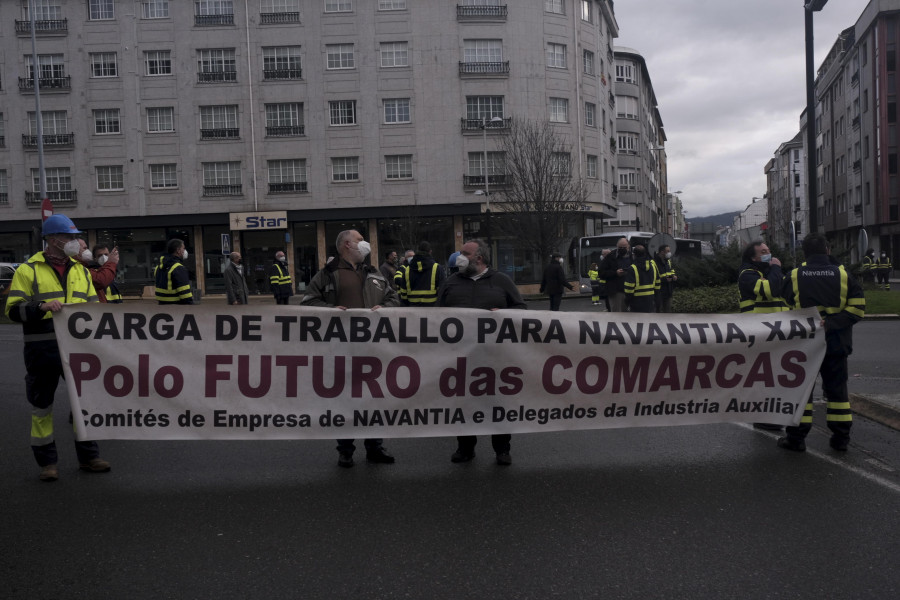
point(281, 259)
point(101, 260)
point(184, 254)
point(668, 255)
point(72, 248)
point(562, 261)
point(87, 255)
point(364, 248)
point(462, 262)
point(765, 258)
point(883, 255)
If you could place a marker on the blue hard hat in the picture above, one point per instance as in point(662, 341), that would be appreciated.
point(451, 262)
point(58, 224)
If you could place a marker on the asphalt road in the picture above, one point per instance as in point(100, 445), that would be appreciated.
point(712, 511)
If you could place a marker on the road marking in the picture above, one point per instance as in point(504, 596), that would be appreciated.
point(886, 483)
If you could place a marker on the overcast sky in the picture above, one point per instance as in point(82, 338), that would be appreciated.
point(730, 83)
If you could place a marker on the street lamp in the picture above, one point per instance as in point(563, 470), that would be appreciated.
point(811, 184)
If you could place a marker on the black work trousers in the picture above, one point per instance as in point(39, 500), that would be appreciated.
point(499, 441)
point(834, 387)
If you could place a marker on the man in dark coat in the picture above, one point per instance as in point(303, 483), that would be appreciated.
point(554, 281)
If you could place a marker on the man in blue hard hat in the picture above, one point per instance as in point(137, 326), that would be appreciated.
point(39, 288)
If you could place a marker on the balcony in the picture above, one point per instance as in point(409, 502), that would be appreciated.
point(288, 187)
point(282, 74)
point(484, 68)
point(43, 27)
point(215, 77)
point(51, 141)
point(48, 84)
point(474, 125)
point(222, 190)
point(285, 130)
point(213, 20)
point(480, 13)
point(477, 181)
point(223, 133)
point(279, 17)
point(58, 198)
point(857, 164)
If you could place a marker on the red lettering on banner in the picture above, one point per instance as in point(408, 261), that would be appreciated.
point(761, 371)
point(728, 382)
point(667, 375)
point(365, 370)
point(637, 377)
point(415, 377)
point(318, 377)
point(514, 385)
point(547, 375)
point(789, 362)
point(699, 368)
point(213, 374)
point(265, 376)
point(84, 368)
point(292, 365)
point(602, 369)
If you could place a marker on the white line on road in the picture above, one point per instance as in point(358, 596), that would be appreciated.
point(894, 487)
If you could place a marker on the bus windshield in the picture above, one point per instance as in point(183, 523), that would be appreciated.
point(590, 248)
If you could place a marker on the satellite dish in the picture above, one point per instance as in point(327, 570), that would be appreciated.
point(863, 242)
point(660, 240)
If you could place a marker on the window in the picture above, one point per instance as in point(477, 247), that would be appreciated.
point(559, 110)
point(103, 64)
point(625, 71)
point(588, 62)
point(592, 166)
point(483, 51)
point(155, 9)
point(59, 182)
point(590, 114)
point(2, 132)
point(53, 122)
point(627, 143)
point(345, 168)
point(219, 122)
point(287, 176)
point(556, 56)
point(100, 10)
point(163, 177)
point(391, 4)
point(627, 180)
point(161, 119)
point(398, 166)
point(51, 67)
point(222, 178)
point(483, 107)
point(396, 110)
point(282, 62)
point(626, 107)
point(280, 6)
point(216, 65)
point(338, 6)
point(554, 6)
point(158, 62)
point(495, 168)
point(110, 179)
point(586, 13)
point(395, 54)
point(343, 112)
point(44, 10)
point(340, 56)
point(213, 12)
point(560, 163)
point(106, 121)
point(4, 187)
point(284, 119)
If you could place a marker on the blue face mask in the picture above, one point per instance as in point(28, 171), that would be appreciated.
point(765, 258)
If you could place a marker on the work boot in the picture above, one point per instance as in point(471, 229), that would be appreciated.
point(839, 443)
point(792, 444)
point(461, 456)
point(379, 455)
point(49, 473)
point(504, 459)
point(95, 465)
point(345, 459)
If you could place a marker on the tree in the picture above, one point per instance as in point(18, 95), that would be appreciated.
point(539, 197)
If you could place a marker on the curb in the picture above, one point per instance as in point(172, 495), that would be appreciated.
point(877, 411)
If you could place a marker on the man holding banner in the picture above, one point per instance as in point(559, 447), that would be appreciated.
point(476, 285)
point(348, 283)
point(822, 283)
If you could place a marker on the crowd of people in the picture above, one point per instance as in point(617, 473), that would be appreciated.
point(626, 279)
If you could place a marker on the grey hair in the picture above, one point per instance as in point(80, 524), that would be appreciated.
point(484, 251)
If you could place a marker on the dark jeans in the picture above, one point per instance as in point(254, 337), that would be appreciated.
point(348, 446)
point(43, 371)
point(499, 441)
point(282, 299)
point(555, 301)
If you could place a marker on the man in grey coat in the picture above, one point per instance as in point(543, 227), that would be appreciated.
point(235, 285)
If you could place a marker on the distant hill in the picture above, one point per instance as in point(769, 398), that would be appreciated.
point(723, 219)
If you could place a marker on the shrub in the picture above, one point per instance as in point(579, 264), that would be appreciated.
point(708, 299)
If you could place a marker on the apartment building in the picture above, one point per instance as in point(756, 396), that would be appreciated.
point(262, 125)
point(640, 149)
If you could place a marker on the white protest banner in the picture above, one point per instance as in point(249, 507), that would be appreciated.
point(294, 372)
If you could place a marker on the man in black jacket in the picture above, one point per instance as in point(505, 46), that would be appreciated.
point(612, 270)
point(173, 283)
point(476, 285)
point(554, 281)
